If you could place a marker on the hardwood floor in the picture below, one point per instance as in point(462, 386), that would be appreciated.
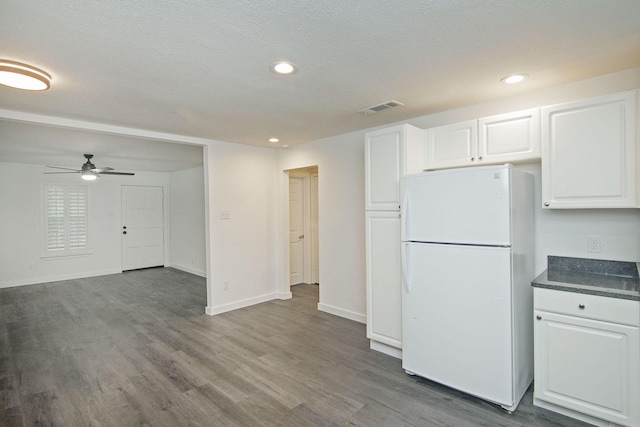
point(136, 349)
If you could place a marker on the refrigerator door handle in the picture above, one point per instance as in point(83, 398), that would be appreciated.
point(404, 214)
point(405, 268)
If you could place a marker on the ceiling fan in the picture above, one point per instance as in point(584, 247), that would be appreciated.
point(89, 171)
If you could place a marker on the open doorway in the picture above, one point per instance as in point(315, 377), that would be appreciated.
point(303, 226)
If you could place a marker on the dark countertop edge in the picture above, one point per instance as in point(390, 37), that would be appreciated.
point(591, 290)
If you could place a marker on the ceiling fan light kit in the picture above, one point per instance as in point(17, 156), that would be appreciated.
point(23, 76)
point(89, 176)
point(89, 171)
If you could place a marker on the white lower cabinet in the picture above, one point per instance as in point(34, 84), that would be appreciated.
point(384, 282)
point(587, 363)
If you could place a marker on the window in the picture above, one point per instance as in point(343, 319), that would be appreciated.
point(66, 221)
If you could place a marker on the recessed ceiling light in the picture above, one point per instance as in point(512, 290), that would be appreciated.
point(283, 67)
point(516, 78)
point(22, 76)
point(274, 140)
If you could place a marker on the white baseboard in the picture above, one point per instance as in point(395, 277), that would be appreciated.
point(361, 318)
point(57, 278)
point(212, 311)
point(284, 295)
point(189, 270)
point(386, 349)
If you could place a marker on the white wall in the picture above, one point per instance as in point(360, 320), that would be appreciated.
point(187, 225)
point(563, 232)
point(21, 225)
point(341, 181)
point(340, 162)
point(241, 250)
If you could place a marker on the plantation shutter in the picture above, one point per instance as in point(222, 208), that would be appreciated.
point(66, 220)
point(77, 219)
point(55, 219)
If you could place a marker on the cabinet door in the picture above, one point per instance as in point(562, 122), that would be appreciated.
point(384, 152)
point(452, 145)
point(511, 137)
point(589, 151)
point(384, 278)
point(389, 154)
point(588, 366)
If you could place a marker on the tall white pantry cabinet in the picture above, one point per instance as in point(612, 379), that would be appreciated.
point(389, 154)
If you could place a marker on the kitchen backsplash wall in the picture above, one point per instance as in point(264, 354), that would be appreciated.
point(566, 232)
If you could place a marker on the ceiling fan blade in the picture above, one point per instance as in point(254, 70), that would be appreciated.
point(50, 173)
point(117, 173)
point(100, 170)
point(67, 169)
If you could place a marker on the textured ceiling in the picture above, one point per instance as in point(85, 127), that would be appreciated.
point(201, 68)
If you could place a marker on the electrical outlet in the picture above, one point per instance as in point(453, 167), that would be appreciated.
point(225, 285)
point(225, 214)
point(594, 244)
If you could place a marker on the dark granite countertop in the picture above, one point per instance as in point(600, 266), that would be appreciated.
point(615, 279)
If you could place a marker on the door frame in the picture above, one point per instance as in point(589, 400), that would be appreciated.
point(305, 247)
point(304, 172)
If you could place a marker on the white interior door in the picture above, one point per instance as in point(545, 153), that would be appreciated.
point(296, 230)
point(142, 227)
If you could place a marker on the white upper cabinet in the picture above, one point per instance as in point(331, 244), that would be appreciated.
point(452, 145)
point(589, 153)
point(389, 154)
point(505, 138)
point(509, 137)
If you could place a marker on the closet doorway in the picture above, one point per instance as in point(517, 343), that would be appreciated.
point(303, 226)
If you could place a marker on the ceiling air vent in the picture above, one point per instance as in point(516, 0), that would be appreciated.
point(380, 107)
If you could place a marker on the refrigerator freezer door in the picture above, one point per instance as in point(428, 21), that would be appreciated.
point(456, 323)
point(465, 206)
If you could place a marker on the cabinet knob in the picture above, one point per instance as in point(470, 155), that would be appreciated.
point(473, 159)
point(581, 306)
point(538, 317)
point(546, 203)
point(479, 158)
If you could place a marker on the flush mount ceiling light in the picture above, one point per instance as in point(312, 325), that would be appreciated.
point(516, 78)
point(283, 67)
point(22, 76)
point(274, 140)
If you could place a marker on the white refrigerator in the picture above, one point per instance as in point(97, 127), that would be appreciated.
point(467, 259)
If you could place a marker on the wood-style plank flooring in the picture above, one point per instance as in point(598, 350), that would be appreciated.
point(136, 349)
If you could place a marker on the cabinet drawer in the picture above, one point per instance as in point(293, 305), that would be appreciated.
point(588, 306)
